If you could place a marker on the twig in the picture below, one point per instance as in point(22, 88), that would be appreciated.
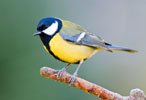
point(135, 94)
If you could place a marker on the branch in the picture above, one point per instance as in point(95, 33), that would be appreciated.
point(135, 94)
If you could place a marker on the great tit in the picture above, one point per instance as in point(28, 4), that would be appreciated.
point(70, 43)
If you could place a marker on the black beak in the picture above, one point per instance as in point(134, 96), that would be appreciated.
point(37, 33)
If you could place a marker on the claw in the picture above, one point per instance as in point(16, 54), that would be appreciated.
point(72, 79)
point(60, 72)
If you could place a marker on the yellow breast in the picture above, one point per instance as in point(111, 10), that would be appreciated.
point(69, 52)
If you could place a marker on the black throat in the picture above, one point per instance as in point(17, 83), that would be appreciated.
point(46, 39)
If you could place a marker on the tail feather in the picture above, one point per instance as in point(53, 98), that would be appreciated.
point(118, 48)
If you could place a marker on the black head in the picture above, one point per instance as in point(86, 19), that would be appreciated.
point(49, 26)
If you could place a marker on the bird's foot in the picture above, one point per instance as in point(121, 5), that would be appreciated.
point(72, 79)
point(60, 72)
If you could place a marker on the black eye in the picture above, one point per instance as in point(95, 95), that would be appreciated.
point(43, 27)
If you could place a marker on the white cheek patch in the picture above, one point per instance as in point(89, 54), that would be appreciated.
point(81, 36)
point(51, 29)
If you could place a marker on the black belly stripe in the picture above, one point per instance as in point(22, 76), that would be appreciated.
point(49, 50)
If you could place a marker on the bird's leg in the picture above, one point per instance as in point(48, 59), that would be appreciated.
point(72, 79)
point(60, 72)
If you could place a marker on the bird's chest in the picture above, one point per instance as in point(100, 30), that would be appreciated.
point(69, 52)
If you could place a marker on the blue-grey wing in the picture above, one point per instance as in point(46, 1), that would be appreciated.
point(86, 38)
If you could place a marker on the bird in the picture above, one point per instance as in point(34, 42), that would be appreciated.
point(70, 43)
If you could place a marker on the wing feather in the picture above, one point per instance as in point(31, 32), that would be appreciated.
point(76, 34)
